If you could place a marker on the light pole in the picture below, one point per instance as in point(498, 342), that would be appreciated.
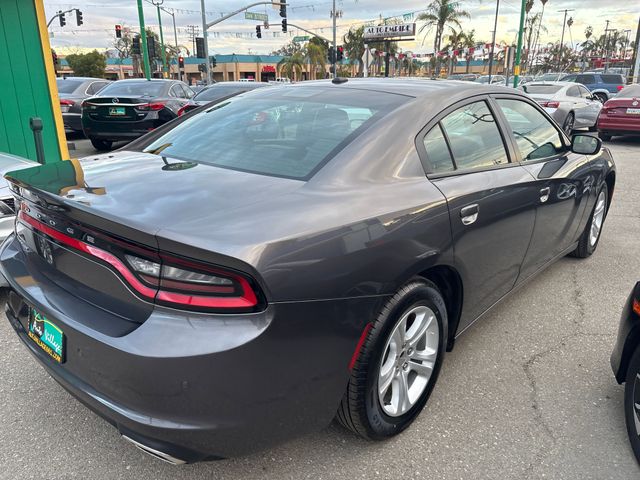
point(207, 67)
point(564, 23)
point(157, 3)
point(335, 50)
point(143, 40)
point(516, 64)
point(493, 40)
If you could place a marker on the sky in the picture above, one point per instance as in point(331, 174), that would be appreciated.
point(235, 35)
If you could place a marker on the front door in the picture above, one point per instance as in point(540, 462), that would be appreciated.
point(562, 182)
point(491, 207)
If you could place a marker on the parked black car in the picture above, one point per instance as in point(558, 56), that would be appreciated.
point(625, 361)
point(72, 91)
point(127, 109)
point(220, 90)
point(246, 273)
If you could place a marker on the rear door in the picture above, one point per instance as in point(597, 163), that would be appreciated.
point(579, 106)
point(561, 178)
point(491, 207)
point(593, 106)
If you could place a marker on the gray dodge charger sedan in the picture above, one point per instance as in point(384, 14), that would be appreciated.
point(245, 274)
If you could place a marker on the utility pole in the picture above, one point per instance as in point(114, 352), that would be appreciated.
point(193, 32)
point(207, 67)
point(606, 46)
point(564, 24)
point(516, 65)
point(335, 50)
point(157, 3)
point(143, 41)
point(626, 44)
point(493, 40)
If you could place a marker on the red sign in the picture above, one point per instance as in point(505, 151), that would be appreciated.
point(269, 69)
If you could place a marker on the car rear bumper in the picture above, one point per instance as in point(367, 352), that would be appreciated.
point(628, 337)
point(72, 121)
point(198, 386)
point(619, 126)
point(116, 131)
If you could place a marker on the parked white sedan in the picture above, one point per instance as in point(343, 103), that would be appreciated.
point(571, 105)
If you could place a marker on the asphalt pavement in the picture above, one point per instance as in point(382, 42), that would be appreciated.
point(527, 393)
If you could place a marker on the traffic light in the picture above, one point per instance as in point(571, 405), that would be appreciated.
point(284, 25)
point(79, 17)
point(283, 9)
point(258, 31)
point(202, 68)
point(180, 62)
point(340, 53)
point(151, 46)
point(63, 21)
point(331, 54)
point(200, 47)
point(54, 57)
point(118, 31)
point(135, 45)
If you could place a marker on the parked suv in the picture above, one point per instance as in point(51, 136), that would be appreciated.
point(603, 86)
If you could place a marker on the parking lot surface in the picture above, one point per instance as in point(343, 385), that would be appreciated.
point(527, 393)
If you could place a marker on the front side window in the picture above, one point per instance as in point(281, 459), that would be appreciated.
point(474, 137)
point(286, 132)
point(573, 92)
point(584, 93)
point(535, 135)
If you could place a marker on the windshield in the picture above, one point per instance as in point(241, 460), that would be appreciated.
point(139, 89)
point(533, 88)
point(629, 92)
point(68, 86)
point(214, 93)
point(287, 132)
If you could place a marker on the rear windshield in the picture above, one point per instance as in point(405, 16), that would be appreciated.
point(549, 77)
point(68, 86)
point(629, 92)
point(533, 88)
point(214, 93)
point(143, 89)
point(285, 132)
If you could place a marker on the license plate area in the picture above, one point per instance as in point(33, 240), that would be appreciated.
point(633, 111)
point(46, 335)
point(117, 111)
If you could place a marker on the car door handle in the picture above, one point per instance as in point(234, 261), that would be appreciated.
point(544, 194)
point(469, 214)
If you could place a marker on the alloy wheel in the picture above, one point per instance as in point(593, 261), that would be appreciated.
point(598, 218)
point(636, 403)
point(568, 124)
point(408, 360)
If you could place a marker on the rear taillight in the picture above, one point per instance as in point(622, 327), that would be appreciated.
point(636, 306)
point(550, 104)
point(153, 106)
point(164, 279)
point(65, 105)
point(620, 87)
point(184, 109)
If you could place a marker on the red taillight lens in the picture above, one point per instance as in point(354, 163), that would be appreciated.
point(153, 106)
point(65, 105)
point(170, 281)
point(620, 87)
point(636, 306)
point(550, 104)
point(184, 109)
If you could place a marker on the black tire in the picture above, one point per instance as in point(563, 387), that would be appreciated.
point(593, 128)
point(605, 137)
point(631, 398)
point(101, 145)
point(361, 410)
point(585, 246)
point(568, 124)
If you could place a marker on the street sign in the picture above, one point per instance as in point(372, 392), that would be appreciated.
point(262, 17)
point(301, 38)
point(390, 31)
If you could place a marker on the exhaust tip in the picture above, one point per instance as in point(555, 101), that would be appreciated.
point(165, 457)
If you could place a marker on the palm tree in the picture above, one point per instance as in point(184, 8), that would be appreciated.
point(456, 42)
point(353, 43)
point(587, 46)
point(292, 66)
point(535, 44)
point(316, 54)
point(469, 42)
point(442, 14)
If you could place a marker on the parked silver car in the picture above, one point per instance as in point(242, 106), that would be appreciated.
point(571, 105)
point(8, 163)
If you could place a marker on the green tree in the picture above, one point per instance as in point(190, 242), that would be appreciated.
point(441, 15)
point(90, 64)
point(288, 49)
point(316, 54)
point(291, 66)
point(456, 43)
point(469, 42)
point(353, 43)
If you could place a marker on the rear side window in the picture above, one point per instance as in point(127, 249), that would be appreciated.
point(586, 79)
point(474, 137)
point(438, 151)
point(535, 135)
point(616, 79)
point(286, 132)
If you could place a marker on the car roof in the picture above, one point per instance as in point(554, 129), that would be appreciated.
point(83, 79)
point(409, 86)
point(559, 83)
point(139, 80)
point(239, 84)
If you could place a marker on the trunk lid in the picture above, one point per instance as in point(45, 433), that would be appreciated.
point(115, 108)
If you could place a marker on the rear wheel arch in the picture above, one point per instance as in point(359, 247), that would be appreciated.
point(610, 180)
point(449, 282)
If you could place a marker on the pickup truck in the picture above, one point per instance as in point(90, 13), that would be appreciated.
point(603, 86)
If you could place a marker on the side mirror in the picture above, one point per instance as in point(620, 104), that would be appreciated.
point(585, 144)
